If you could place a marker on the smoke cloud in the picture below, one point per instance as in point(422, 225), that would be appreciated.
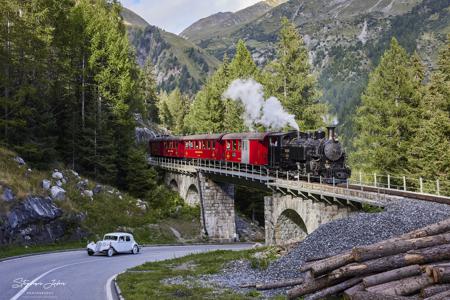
point(268, 113)
point(330, 120)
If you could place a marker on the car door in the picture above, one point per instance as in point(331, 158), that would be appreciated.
point(121, 244)
point(128, 243)
point(245, 159)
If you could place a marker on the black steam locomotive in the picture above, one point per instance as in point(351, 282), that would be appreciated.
point(312, 153)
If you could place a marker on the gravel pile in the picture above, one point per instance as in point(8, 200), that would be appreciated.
point(335, 237)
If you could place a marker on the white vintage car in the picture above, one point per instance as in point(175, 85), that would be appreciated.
point(112, 243)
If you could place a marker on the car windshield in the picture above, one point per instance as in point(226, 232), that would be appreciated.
point(110, 238)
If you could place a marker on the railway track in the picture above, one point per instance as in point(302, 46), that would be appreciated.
point(400, 193)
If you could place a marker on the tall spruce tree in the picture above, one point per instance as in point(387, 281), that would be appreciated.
point(207, 110)
point(429, 154)
point(150, 94)
point(241, 67)
point(290, 79)
point(388, 117)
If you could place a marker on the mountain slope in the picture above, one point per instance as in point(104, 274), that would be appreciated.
point(178, 62)
point(223, 22)
point(346, 39)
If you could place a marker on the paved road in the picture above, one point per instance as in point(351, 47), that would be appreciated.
point(75, 275)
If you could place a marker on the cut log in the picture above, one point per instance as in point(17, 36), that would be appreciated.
point(328, 264)
point(429, 268)
point(421, 256)
point(279, 284)
point(433, 229)
point(333, 290)
point(441, 296)
point(248, 285)
point(441, 274)
point(408, 286)
point(375, 296)
point(348, 293)
point(392, 275)
point(399, 246)
point(312, 286)
point(434, 289)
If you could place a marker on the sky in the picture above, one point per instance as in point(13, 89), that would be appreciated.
point(175, 15)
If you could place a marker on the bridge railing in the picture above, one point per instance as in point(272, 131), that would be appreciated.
point(402, 183)
point(380, 184)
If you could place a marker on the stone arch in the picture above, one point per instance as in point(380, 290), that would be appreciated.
point(290, 228)
point(192, 195)
point(173, 185)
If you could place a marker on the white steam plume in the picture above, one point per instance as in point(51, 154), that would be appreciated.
point(330, 120)
point(269, 113)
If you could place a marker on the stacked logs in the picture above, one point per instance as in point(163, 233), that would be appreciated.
point(415, 265)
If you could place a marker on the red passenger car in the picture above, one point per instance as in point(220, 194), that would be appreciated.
point(205, 146)
point(166, 147)
point(247, 148)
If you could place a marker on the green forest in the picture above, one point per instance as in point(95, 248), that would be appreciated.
point(70, 89)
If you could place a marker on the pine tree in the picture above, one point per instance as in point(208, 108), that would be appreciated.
point(241, 67)
point(150, 91)
point(388, 117)
point(429, 154)
point(207, 110)
point(141, 179)
point(290, 79)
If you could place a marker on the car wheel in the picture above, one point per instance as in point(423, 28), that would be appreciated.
point(110, 252)
point(135, 249)
point(90, 252)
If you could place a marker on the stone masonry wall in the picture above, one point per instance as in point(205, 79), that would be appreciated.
point(313, 214)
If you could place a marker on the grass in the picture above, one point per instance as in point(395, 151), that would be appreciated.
point(148, 284)
point(8, 251)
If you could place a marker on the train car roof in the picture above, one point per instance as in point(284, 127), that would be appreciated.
point(260, 136)
point(215, 136)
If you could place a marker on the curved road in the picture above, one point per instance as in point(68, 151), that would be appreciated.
point(75, 275)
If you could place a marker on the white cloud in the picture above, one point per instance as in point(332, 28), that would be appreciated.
point(176, 15)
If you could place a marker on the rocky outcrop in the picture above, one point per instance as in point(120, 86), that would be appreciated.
point(37, 220)
point(7, 194)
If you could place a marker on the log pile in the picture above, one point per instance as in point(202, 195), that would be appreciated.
point(415, 265)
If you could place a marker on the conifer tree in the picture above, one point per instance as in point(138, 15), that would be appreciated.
point(429, 154)
point(241, 67)
point(207, 110)
point(150, 94)
point(388, 117)
point(140, 177)
point(290, 79)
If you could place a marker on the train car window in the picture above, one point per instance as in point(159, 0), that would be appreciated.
point(234, 145)
point(197, 144)
point(228, 145)
point(208, 145)
point(203, 145)
point(191, 146)
point(239, 145)
point(213, 145)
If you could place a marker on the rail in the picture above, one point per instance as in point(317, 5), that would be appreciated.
point(358, 188)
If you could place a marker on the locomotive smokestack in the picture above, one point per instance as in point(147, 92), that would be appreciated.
point(331, 132)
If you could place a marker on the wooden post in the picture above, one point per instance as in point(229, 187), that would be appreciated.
point(277, 174)
point(421, 184)
point(320, 178)
point(404, 183)
point(309, 179)
point(437, 187)
point(375, 179)
point(360, 178)
point(389, 181)
point(287, 175)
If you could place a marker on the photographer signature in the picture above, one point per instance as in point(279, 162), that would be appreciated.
point(19, 283)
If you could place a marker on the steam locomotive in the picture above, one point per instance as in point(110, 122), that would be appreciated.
point(314, 154)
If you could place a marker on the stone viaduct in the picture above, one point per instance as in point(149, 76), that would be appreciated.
point(288, 218)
